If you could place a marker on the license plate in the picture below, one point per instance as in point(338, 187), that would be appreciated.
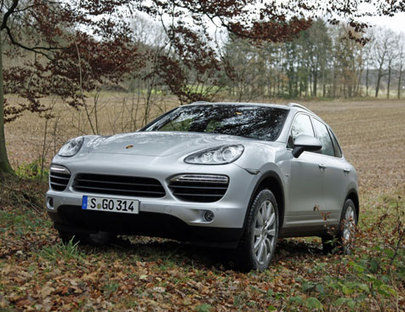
point(110, 204)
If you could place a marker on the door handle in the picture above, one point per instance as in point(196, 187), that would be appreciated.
point(322, 166)
point(346, 170)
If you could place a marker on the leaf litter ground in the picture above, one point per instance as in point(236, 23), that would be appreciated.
point(39, 273)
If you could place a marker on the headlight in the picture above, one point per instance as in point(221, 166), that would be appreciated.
point(216, 156)
point(71, 148)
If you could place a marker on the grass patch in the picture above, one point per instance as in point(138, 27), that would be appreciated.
point(61, 251)
point(34, 170)
point(373, 276)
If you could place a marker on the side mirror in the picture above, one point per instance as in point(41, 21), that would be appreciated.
point(305, 143)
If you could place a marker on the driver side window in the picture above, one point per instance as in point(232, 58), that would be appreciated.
point(301, 125)
point(324, 138)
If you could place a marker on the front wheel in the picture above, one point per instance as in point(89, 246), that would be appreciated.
point(256, 248)
point(344, 239)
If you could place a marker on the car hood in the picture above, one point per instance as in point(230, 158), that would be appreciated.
point(158, 143)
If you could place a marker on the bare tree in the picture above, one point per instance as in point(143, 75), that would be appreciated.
point(400, 63)
point(392, 55)
point(152, 43)
point(368, 63)
point(384, 40)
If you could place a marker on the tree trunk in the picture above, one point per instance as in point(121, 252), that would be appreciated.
point(367, 71)
point(389, 80)
point(400, 82)
point(358, 84)
point(323, 82)
point(5, 167)
point(377, 87)
point(315, 76)
point(315, 83)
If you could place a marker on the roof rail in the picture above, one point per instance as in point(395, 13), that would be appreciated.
point(199, 102)
point(300, 106)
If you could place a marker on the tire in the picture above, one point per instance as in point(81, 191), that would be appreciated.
point(66, 237)
point(342, 242)
point(258, 243)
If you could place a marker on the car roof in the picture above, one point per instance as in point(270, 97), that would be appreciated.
point(290, 106)
point(240, 104)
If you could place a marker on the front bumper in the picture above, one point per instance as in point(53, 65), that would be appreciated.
point(167, 216)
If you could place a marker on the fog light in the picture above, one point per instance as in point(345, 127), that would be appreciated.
point(208, 216)
point(50, 203)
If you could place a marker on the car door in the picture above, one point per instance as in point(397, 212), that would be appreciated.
point(305, 180)
point(334, 171)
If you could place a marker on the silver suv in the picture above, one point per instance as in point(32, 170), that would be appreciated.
point(237, 175)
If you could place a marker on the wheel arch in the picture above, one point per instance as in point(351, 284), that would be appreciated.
point(353, 195)
point(272, 181)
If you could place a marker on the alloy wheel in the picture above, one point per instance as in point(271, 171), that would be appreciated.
point(264, 233)
point(349, 224)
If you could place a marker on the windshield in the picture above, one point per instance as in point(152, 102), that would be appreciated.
point(257, 122)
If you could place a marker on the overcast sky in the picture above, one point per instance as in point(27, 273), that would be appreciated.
point(396, 23)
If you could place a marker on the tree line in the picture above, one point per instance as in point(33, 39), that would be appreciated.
point(320, 62)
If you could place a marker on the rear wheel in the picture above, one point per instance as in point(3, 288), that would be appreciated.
point(256, 248)
point(344, 239)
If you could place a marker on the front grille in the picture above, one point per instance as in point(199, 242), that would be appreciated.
point(58, 180)
point(118, 185)
point(205, 192)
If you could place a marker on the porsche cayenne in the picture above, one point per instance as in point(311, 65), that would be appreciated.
point(236, 175)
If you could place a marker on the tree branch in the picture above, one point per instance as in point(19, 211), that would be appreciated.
point(8, 13)
point(32, 49)
point(34, 5)
point(4, 26)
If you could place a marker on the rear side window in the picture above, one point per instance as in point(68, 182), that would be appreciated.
point(336, 146)
point(323, 135)
point(301, 125)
